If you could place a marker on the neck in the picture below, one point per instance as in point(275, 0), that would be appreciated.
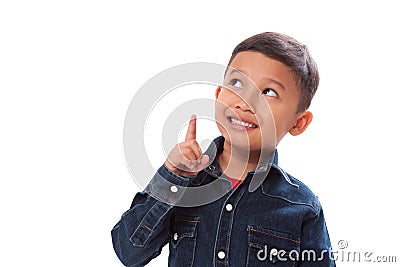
point(236, 162)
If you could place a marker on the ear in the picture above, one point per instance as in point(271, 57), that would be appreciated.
point(303, 120)
point(217, 91)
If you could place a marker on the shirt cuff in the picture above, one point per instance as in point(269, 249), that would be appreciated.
point(167, 186)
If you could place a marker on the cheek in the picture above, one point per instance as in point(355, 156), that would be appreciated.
point(219, 110)
point(223, 102)
point(219, 115)
point(284, 122)
point(226, 96)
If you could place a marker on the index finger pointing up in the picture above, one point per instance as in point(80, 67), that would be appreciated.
point(191, 132)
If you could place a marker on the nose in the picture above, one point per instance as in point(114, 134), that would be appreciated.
point(244, 104)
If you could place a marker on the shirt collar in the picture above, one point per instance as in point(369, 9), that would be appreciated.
point(214, 169)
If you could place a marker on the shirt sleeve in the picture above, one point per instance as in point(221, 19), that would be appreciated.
point(144, 229)
point(315, 248)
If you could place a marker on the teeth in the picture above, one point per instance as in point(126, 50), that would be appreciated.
point(242, 123)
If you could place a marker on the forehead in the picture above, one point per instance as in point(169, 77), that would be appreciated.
point(259, 68)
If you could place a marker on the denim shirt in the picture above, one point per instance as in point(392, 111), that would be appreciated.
point(281, 223)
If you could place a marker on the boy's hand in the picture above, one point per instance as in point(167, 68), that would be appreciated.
point(186, 158)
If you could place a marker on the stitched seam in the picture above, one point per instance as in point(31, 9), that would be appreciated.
point(291, 202)
point(235, 204)
point(285, 176)
point(141, 223)
point(145, 226)
point(194, 247)
point(295, 241)
point(185, 221)
point(218, 234)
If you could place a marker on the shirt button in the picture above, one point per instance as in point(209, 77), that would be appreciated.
point(176, 236)
point(174, 189)
point(221, 255)
point(229, 207)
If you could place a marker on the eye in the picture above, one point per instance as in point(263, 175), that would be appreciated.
point(270, 92)
point(236, 83)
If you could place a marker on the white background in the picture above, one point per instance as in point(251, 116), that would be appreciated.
point(69, 69)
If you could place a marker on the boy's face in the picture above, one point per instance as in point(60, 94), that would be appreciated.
point(253, 83)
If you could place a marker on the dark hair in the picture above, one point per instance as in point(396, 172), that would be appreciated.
point(290, 52)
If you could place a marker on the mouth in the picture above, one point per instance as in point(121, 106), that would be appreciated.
point(240, 124)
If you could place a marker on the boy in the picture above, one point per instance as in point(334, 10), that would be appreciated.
point(278, 222)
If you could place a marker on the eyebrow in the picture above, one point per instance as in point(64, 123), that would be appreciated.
point(263, 78)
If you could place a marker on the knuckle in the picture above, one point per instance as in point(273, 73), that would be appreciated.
point(184, 151)
point(193, 142)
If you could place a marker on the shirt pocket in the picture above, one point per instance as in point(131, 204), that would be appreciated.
point(271, 248)
point(183, 236)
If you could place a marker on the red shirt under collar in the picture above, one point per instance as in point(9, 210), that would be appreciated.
point(235, 182)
